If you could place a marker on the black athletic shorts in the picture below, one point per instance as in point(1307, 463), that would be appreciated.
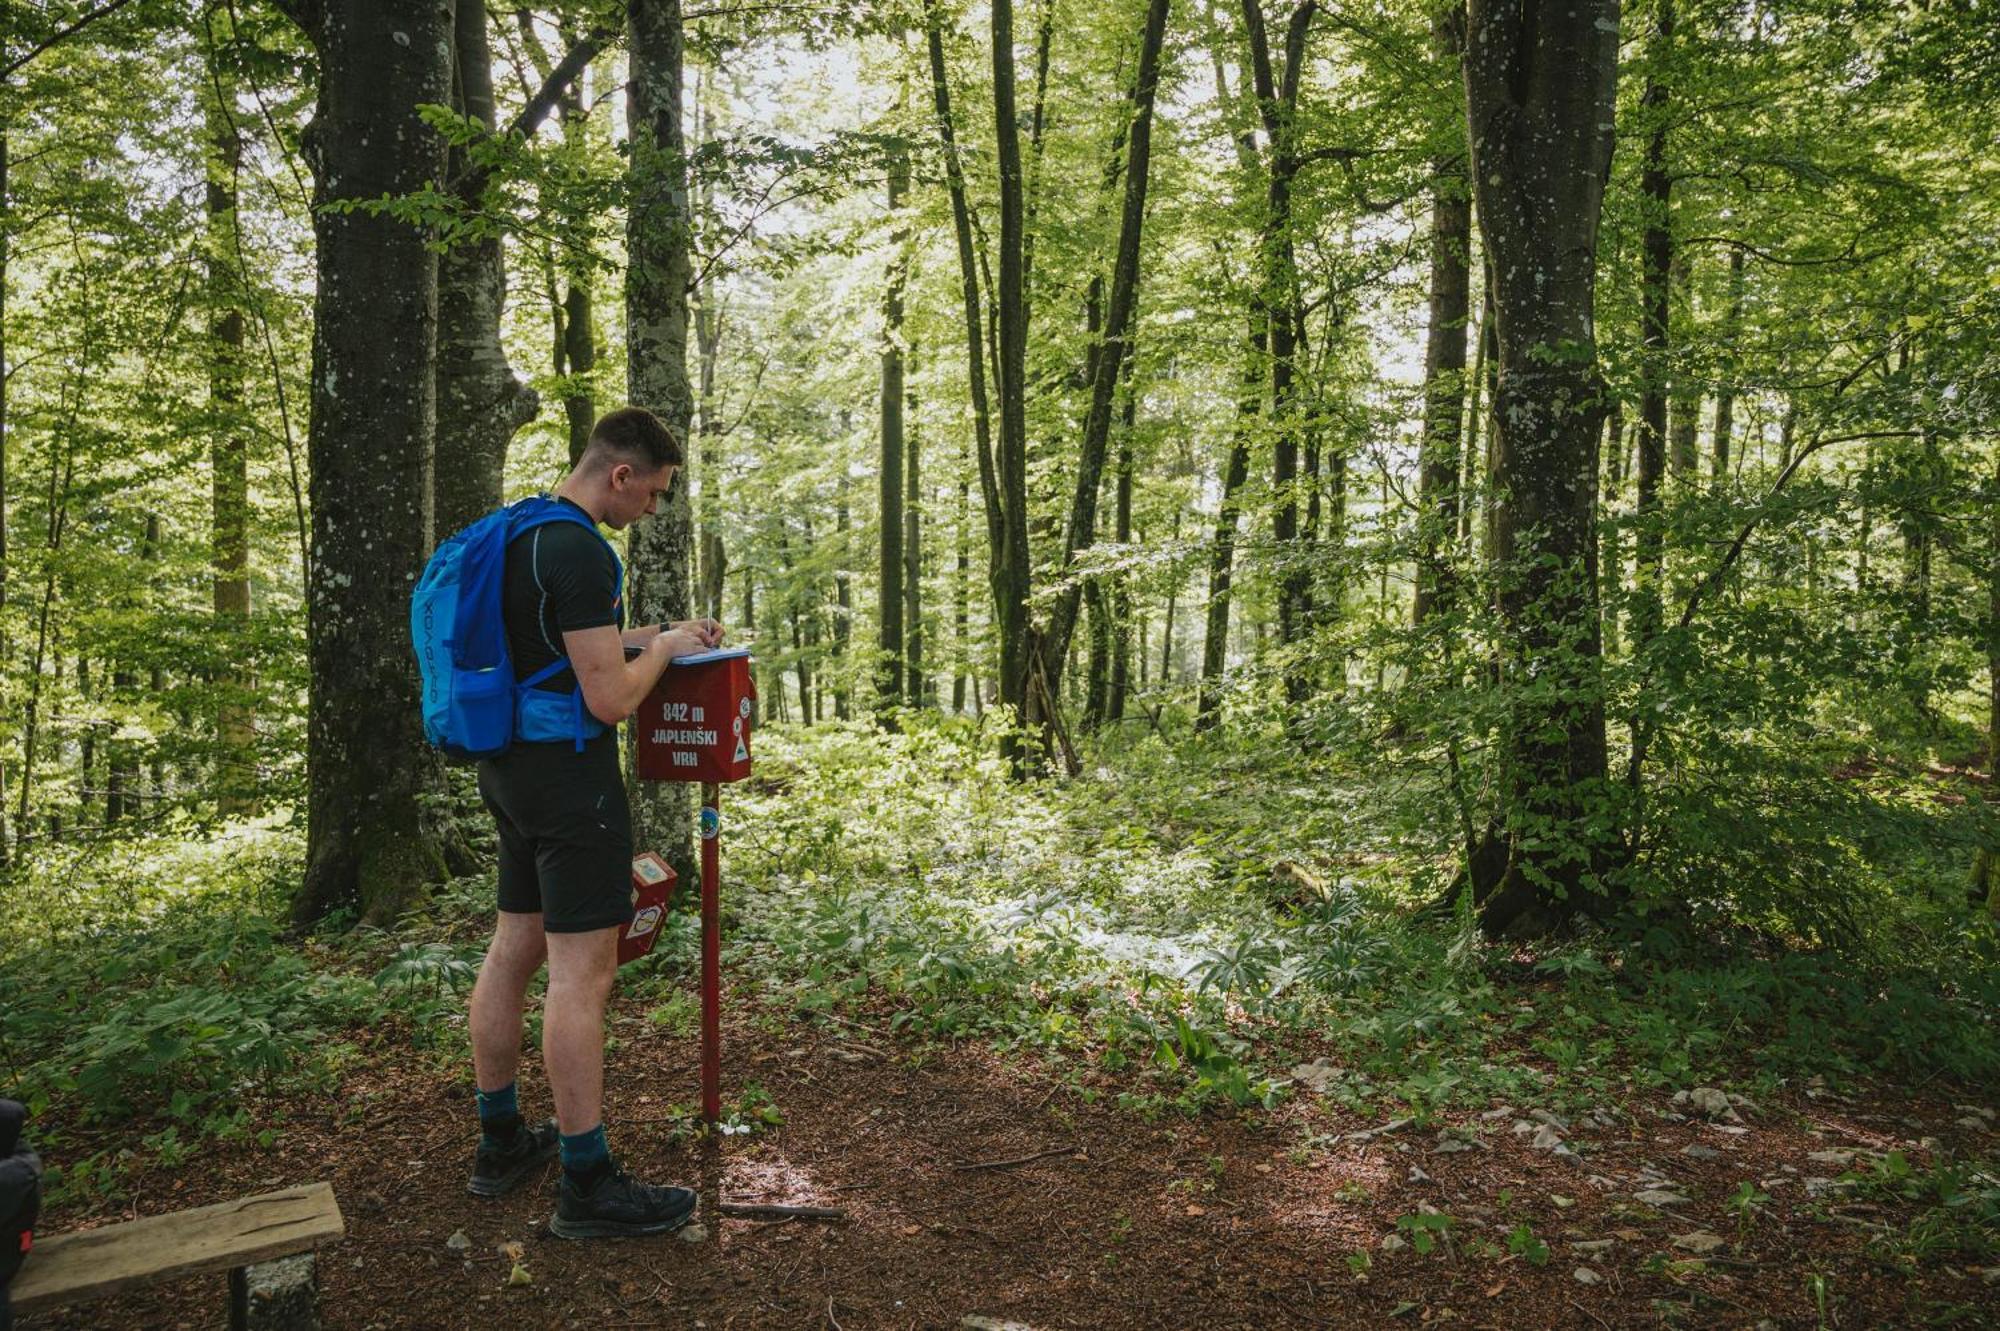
point(565, 833)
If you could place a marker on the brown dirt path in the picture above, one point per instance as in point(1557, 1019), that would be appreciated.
point(1211, 1223)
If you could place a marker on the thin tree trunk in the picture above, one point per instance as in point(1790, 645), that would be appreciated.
point(913, 559)
point(1222, 554)
point(229, 544)
point(6, 226)
point(1656, 336)
point(890, 474)
point(1725, 391)
point(1236, 469)
point(1045, 33)
point(1167, 627)
point(1009, 299)
point(1097, 661)
point(579, 343)
point(843, 594)
point(370, 455)
point(801, 658)
point(1540, 91)
point(1082, 528)
point(1278, 292)
point(656, 321)
point(1478, 439)
point(750, 632)
point(157, 679)
point(87, 742)
point(712, 559)
point(1610, 557)
point(1001, 564)
point(1121, 584)
point(1684, 411)
point(961, 593)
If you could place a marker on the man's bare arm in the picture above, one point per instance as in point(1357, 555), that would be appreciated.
point(613, 686)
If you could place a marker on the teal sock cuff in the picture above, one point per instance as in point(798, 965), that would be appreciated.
point(584, 1151)
point(500, 1104)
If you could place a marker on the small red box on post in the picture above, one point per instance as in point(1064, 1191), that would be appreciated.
point(695, 724)
point(653, 883)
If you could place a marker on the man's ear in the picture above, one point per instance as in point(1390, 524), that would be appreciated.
point(620, 474)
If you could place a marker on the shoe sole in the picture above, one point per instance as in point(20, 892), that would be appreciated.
point(614, 1229)
point(499, 1187)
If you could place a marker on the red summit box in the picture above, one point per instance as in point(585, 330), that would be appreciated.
point(652, 891)
point(695, 724)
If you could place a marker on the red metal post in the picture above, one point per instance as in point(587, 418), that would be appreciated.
point(711, 953)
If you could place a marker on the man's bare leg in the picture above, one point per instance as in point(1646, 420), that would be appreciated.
point(581, 968)
point(510, 1151)
point(512, 958)
point(596, 1200)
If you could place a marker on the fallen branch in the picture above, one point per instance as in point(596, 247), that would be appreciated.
point(775, 1209)
point(1016, 1160)
point(1588, 1313)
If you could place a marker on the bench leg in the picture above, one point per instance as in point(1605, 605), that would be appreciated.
point(280, 1295)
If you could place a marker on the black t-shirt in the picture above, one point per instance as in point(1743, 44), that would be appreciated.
point(560, 577)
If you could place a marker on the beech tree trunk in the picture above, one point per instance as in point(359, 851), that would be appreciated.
point(1444, 354)
point(480, 404)
point(1236, 469)
point(998, 566)
point(1986, 861)
point(370, 452)
point(656, 322)
point(1540, 92)
point(1278, 293)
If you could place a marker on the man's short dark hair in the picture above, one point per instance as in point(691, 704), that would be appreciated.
point(635, 434)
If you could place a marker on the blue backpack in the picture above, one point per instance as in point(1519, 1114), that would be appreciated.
point(472, 706)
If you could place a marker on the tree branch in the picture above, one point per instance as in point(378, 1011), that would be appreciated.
point(524, 125)
point(1721, 570)
point(108, 7)
point(558, 81)
point(1850, 256)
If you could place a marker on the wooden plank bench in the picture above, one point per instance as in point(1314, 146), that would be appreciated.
point(266, 1243)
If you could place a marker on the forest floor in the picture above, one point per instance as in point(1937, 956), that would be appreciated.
point(1168, 1046)
point(976, 1184)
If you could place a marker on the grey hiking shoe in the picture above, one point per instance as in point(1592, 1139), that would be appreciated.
point(616, 1205)
point(498, 1171)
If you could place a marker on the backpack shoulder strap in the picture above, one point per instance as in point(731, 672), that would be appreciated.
point(540, 510)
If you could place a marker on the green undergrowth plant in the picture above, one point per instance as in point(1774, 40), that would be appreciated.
point(178, 1008)
point(1956, 1201)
